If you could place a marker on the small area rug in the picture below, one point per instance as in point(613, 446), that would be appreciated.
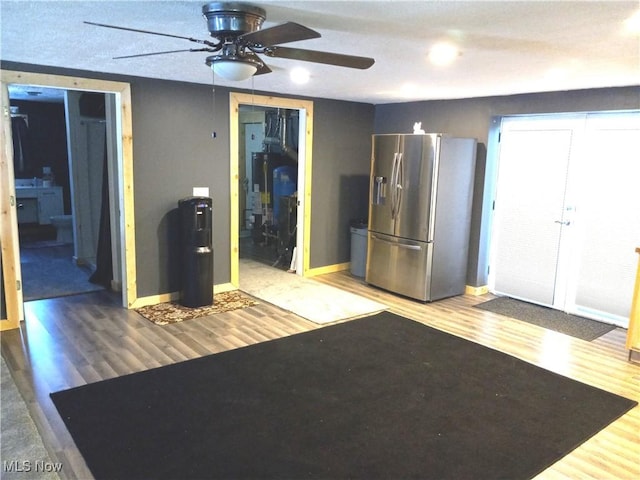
point(379, 397)
point(305, 297)
point(548, 318)
point(173, 312)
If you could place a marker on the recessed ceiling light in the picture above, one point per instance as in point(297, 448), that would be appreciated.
point(632, 24)
point(443, 53)
point(556, 74)
point(299, 75)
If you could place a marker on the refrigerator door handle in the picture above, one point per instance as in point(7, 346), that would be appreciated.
point(394, 168)
point(399, 181)
point(396, 244)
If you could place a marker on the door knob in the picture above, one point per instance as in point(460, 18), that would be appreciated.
point(566, 222)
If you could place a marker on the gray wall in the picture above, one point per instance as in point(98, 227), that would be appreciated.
point(173, 151)
point(340, 177)
point(472, 117)
point(478, 117)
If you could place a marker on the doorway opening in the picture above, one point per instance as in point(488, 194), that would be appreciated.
point(60, 154)
point(561, 235)
point(270, 146)
point(268, 173)
point(119, 128)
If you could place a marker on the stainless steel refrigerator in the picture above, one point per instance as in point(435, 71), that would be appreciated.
point(420, 214)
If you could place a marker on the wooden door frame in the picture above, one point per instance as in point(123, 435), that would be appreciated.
point(8, 215)
point(306, 108)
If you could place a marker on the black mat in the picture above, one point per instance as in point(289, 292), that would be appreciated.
point(548, 318)
point(380, 397)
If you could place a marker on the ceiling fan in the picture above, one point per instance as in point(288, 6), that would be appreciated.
point(239, 39)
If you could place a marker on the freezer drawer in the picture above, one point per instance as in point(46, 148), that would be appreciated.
point(399, 265)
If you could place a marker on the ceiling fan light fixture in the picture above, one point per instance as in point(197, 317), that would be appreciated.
point(238, 36)
point(226, 18)
point(235, 70)
point(232, 68)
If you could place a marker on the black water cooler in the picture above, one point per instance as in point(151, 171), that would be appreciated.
point(197, 251)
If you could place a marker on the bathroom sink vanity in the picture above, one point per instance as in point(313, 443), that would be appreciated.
point(38, 204)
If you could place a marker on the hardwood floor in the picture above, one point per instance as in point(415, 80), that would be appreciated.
point(71, 341)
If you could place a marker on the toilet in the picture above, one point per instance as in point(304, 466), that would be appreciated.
point(64, 228)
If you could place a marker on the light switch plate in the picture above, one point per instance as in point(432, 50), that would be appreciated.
point(200, 191)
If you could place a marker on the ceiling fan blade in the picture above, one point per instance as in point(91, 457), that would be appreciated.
point(287, 32)
point(204, 42)
point(263, 68)
point(337, 59)
point(165, 52)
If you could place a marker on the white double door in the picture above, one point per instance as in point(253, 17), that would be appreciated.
point(567, 213)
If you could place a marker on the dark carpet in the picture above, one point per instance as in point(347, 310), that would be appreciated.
point(549, 318)
point(380, 397)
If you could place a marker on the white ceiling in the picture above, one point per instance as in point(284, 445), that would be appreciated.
point(506, 47)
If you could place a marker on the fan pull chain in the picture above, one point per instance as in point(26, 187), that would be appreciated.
point(213, 105)
point(253, 92)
